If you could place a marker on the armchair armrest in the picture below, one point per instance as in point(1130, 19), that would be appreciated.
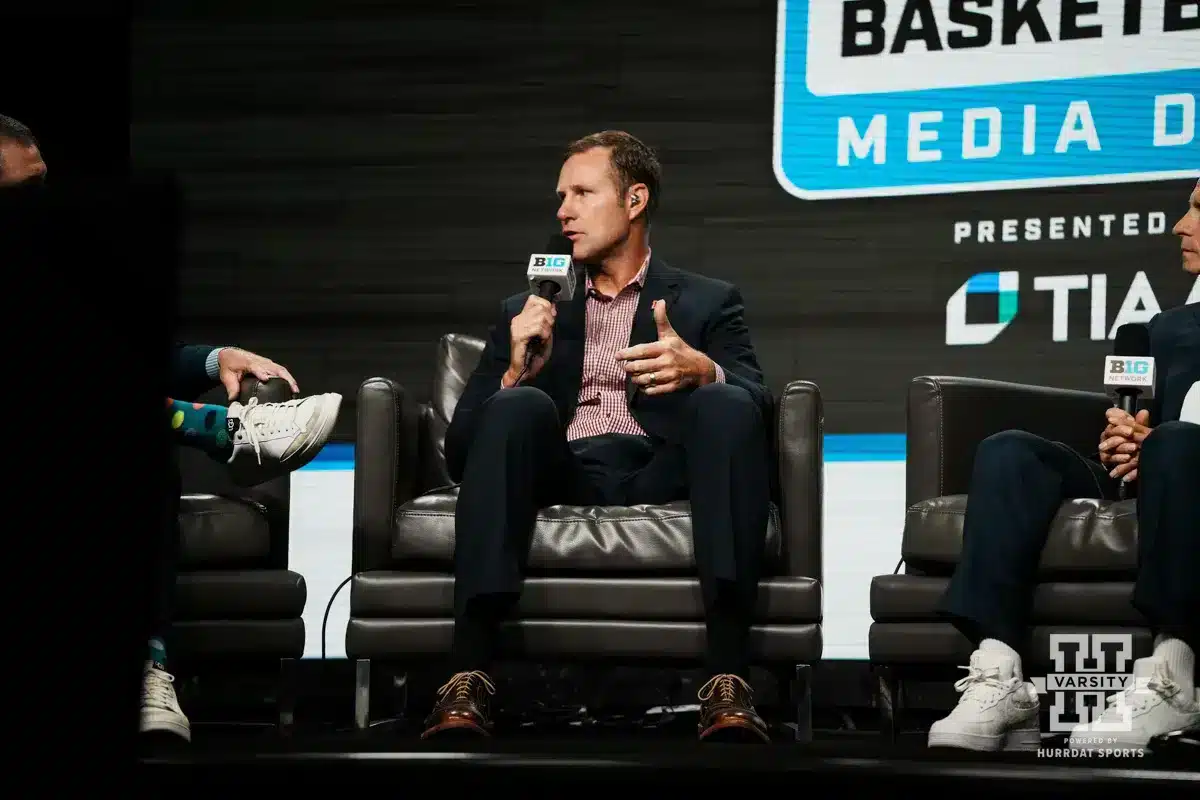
point(385, 468)
point(948, 417)
point(799, 442)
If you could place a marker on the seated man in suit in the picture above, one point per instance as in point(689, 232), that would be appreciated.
point(1017, 485)
point(647, 390)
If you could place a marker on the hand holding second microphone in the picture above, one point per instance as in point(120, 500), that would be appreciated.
point(669, 364)
point(536, 321)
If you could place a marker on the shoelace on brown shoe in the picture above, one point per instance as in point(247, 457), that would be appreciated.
point(458, 688)
point(724, 689)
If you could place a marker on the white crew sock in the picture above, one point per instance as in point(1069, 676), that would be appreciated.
point(1180, 660)
point(997, 646)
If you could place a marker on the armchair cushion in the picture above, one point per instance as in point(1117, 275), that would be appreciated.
point(256, 594)
point(1087, 536)
point(917, 598)
point(385, 594)
point(608, 539)
point(226, 526)
point(222, 532)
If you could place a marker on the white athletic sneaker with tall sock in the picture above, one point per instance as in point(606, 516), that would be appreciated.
point(998, 709)
point(160, 707)
point(273, 439)
point(1162, 697)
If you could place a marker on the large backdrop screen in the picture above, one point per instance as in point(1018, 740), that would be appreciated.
point(903, 97)
point(899, 187)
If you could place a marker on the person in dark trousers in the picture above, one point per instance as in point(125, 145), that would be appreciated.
point(648, 390)
point(258, 442)
point(1017, 485)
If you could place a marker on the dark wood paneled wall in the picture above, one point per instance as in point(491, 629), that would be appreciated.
point(363, 178)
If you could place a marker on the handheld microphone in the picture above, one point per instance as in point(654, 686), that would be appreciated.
point(1129, 371)
point(551, 276)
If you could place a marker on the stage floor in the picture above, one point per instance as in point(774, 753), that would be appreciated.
point(577, 757)
point(549, 740)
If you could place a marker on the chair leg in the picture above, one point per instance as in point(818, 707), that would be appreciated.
point(802, 698)
point(887, 696)
point(288, 679)
point(399, 685)
point(362, 694)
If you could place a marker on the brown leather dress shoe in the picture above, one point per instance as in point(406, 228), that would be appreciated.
point(462, 706)
point(726, 713)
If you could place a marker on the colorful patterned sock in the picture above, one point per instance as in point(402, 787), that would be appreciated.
point(205, 426)
point(158, 653)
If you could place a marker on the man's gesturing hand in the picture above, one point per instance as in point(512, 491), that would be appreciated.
point(668, 364)
point(535, 319)
point(1121, 442)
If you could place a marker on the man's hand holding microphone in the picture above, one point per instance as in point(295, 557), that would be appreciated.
point(551, 277)
point(535, 322)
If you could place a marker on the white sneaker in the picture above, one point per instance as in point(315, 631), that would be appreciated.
point(1153, 703)
point(160, 707)
point(273, 439)
point(997, 711)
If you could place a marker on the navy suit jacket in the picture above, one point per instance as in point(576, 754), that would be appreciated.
point(1175, 345)
point(705, 312)
point(187, 377)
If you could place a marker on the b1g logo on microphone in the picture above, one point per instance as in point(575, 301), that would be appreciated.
point(549, 262)
point(1129, 366)
point(1124, 371)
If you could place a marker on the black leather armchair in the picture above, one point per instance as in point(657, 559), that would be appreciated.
point(605, 583)
point(1088, 563)
point(237, 604)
